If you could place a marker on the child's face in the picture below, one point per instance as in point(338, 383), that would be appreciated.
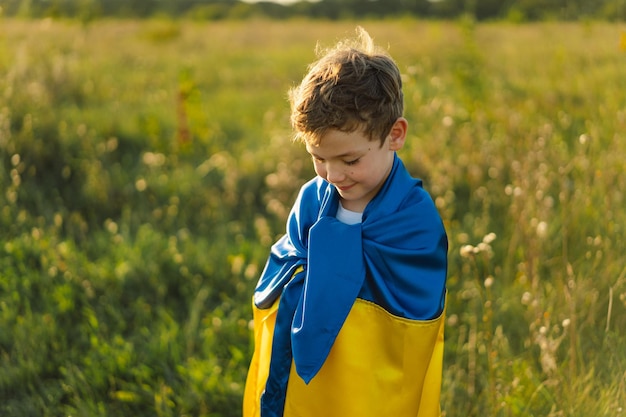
point(356, 165)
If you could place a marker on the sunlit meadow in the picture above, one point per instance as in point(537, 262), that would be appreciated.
point(147, 167)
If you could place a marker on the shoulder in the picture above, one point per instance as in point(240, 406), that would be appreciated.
point(420, 200)
point(418, 205)
point(309, 202)
point(412, 191)
point(312, 193)
point(417, 193)
point(314, 187)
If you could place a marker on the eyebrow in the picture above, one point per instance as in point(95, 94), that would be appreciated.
point(343, 155)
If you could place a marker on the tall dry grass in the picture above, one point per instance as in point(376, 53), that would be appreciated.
point(147, 166)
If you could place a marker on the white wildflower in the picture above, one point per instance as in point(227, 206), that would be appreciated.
point(467, 251)
point(488, 281)
point(489, 237)
point(542, 229)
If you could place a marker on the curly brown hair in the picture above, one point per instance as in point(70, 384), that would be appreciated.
point(353, 86)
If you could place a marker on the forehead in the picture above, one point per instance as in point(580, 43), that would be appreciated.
point(336, 143)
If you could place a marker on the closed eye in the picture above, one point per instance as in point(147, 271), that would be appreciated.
point(353, 162)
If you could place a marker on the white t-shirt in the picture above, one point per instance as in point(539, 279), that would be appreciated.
point(347, 216)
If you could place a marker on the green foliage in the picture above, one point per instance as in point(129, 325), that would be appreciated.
point(522, 10)
point(146, 167)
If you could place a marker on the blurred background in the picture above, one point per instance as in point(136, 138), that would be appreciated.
point(147, 165)
point(516, 10)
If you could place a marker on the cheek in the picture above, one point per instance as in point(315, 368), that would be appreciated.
point(366, 176)
point(357, 173)
point(319, 170)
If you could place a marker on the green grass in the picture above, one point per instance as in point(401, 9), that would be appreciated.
point(147, 166)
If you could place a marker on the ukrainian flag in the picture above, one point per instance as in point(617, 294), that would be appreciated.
point(349, 319)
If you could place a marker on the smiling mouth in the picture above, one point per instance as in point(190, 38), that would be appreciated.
point(344, 188)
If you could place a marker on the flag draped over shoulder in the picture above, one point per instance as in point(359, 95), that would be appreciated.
point(395, 259)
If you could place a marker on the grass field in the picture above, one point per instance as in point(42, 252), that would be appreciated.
point(147, 166)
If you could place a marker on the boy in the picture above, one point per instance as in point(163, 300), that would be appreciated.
point(348, 312)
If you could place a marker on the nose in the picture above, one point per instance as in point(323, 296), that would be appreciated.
point(334, 174)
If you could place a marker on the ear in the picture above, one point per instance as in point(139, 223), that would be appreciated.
point(397, 134)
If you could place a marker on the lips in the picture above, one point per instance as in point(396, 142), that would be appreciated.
point(345, 187)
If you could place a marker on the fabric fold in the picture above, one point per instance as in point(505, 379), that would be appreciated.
point(395, 258)
point(335, 276)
